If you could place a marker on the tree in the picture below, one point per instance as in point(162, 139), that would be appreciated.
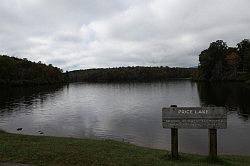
point(242, 49)
point(206, 65)
point(212, 61)
point(247, 60)
point(232, 60)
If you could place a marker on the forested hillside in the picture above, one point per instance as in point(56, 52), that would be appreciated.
point(220, 62)
point(126, 74)
point(15, 71)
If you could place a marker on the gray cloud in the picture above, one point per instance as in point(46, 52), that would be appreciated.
point(95, 33)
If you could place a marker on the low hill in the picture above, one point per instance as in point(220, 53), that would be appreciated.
point(16, 71)
point(127, 74)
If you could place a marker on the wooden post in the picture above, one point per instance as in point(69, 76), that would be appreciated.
point(213, 143)
point(174, 141)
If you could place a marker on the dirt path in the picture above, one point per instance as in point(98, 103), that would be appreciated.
point(13, 164)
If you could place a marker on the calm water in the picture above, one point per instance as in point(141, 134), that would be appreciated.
point(130, 112)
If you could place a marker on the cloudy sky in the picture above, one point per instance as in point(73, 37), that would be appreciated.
point(79, 34)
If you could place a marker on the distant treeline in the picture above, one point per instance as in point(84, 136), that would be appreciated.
point(16, 71)
point(128, 74)
point(219, 62)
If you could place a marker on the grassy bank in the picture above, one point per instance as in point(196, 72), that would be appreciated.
point(41, 150)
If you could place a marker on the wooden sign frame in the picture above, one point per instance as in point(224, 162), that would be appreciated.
point(211, 118)
point(194, 117)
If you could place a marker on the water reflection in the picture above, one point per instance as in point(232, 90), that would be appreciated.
point(129, 111)
point(11, 97)
point(234, 96)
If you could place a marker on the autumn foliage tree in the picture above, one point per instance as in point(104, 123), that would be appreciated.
point(220, 62)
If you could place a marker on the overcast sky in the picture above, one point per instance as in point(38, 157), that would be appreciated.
point(79, 34)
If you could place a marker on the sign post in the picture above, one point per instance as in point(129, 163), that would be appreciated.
point(212, 143)
point(211, 118)
point(174, 141)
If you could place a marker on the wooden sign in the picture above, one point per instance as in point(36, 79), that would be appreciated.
point(194, 117)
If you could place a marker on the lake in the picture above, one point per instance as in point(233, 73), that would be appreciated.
point(128, 112)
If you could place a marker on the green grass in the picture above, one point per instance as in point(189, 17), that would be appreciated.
point(43, 150)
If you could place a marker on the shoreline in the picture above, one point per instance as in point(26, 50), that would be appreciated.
point(48, 150)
